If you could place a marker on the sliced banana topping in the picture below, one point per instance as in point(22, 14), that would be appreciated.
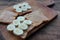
point(16, 6)
point(25, 3)
point(22, 7)
point(19, 25)
point(10, 27)
point(18, 31)
point(28, 7)
point(21, 18)
point(23, 26)
point(16, 22)
point(19, 10)
point(19, 5)
point(28, 22)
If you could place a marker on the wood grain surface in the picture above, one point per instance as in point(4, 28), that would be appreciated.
point(48, 32)
point(7, 3)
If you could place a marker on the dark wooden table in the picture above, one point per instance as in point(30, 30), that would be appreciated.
point(50, 31)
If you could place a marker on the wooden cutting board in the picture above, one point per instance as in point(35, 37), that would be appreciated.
point(49, 13)
point(47, 2)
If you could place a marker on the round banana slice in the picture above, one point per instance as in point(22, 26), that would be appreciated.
point(16, 22)
point(21, 18)
point(10, 27)
point(18, 9)
point(24, 9)
point(23, 26)
point(28, 7)
point(18, 31)
point(19, 5)
point(16, 6)
point(25, 3)
point(28, 22)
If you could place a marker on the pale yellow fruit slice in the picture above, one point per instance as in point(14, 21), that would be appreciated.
point(18, 31)
point(25, 3)
point(26, 6)
point(18, 9)
point(28, 22)
point(10, 27)
point(23, 26)
point(16, 22)
point(24, 9)
point(21, 18)
point(16, 6)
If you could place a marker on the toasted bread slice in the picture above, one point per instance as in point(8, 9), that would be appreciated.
point(19, 13)
point(23, 13)
point(37, 20)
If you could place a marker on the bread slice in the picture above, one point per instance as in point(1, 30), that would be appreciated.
point(23, 13)
point(7, 16)
point(19, 13)
point(37, 20)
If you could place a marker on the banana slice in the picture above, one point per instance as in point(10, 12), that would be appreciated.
point(23, 26)
point(16, 22)
point(28, 22)
point(10, 27)
point(18, 31)
point(19, 5)
point(18, 9)
point(16, 6)
point(21, 18)
point(25, 3)
point(28, 7)
point(24, 9)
